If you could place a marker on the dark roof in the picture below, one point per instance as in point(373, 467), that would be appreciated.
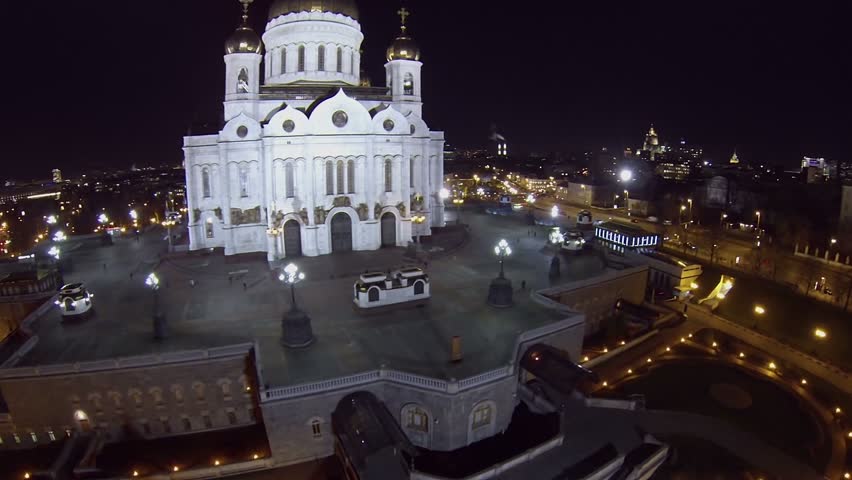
point(553, 367)
point(370, 436)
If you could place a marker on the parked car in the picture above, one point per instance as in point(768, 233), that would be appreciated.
point(74, 300)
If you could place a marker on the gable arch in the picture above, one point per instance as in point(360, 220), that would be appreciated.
point(232, 131)
point(358, 121)
point(275, 126)
point(401, 125)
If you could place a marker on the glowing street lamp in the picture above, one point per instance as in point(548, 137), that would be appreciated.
point(530, 198)
point(502, 250)
point(134, 216)
point(554, 212)
point(59, 236)
point(444, 194)
point(758, 220)
point(759, 309)
point(556, 237)
point(103, 218)
point(51, 220)
point(153, 282)
point(291, 276)
point(820, 334)
point(625, 175)
point(54, 252)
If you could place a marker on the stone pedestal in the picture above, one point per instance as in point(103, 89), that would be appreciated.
point(297, 331)
point(500, 292)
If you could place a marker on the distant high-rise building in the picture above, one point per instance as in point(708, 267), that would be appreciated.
point(815, 170)
point(845, 223)
point(57, 175)
point(652, 144)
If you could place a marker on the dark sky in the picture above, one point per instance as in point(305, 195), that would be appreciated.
point(110, 83)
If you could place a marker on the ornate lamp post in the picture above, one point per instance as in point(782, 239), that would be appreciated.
point(153, 282)
point(296, 325)
point(556, 239)
point(500, 290)
point(169, 223)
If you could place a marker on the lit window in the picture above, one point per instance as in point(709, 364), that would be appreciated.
point(408, 89)
point(417, 420)
point(482, 415)
point(50, 435)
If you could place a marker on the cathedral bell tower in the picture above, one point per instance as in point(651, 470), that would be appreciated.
point(242, 67)
point(403, 70)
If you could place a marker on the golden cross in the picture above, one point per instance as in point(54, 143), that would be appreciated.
point(403, 14)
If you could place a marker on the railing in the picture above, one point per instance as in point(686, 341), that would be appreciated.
point(387, 375)
point(127, 362)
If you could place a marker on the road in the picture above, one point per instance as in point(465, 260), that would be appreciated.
point(731, 250)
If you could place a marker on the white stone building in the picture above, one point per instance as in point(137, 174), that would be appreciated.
point(312, 159)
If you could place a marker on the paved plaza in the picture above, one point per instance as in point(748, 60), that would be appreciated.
point(211, 300)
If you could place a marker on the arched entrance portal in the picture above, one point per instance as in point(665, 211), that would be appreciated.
point(388, 230)
point(292, 239)
point(341, 233)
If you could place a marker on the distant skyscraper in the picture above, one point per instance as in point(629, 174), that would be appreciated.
point(57, 175)
point(652, 144)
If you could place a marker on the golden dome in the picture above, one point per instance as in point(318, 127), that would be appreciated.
point(244, 40)
point(284, 7)
point(403, 48)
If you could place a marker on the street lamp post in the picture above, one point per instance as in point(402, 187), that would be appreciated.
point(417, 220)
point(153, 282)
point(169, 223)
point(758, 221)
point(500, 290)
point(296, 325)
point(690, 210)
point(722, 218)
point(627, 202)
point(556, 239)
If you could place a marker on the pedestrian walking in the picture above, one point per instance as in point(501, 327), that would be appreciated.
point(523, 284)
point(245, 287)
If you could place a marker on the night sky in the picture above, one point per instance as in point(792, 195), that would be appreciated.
point(112, 83)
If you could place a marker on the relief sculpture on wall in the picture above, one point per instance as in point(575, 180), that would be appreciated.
point(244, 217)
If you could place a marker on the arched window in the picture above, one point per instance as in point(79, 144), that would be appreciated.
point(388, 175)
point(321, 58)
point(408, 84)
point(341, 176)
point(243, 81)
point(339, 59)
point(284, 60)
point(411, 172)
point(205, 182)
point(301, 62)
point(419, 287)
point(350, 176)
point(481, 415)
point(373, 294)
point(329, 178)
point(244, 188)
point(289, 181)
point(416, 419)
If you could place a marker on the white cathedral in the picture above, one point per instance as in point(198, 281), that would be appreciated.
point(312, 159)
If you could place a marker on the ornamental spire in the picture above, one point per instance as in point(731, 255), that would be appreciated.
point(403, 15)
point(246, 4)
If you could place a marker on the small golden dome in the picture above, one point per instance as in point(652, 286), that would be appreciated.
point(244, 40)
point(403, 48)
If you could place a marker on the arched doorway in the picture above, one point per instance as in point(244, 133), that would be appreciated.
point(388, 230)
point(292, 239)
point(341, 233)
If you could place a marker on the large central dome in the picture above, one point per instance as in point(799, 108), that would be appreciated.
point(284, 7)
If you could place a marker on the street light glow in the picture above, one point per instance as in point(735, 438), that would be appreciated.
point(54, 252)
point(134, 215)
point(693, 285)
point(530, 198)
point(291, 275)
point(758, 309)
point(444, 194)
point(59, 236)
point(820, 333)
point(51, 220)
point(503, 249)
point(152, 280)
point(554, 212)
point(625, 175)
point(102, 218)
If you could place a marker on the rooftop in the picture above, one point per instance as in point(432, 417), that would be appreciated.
point(217, 311)
point(624, 229)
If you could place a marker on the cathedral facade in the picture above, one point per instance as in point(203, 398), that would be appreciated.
point(312, 159)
